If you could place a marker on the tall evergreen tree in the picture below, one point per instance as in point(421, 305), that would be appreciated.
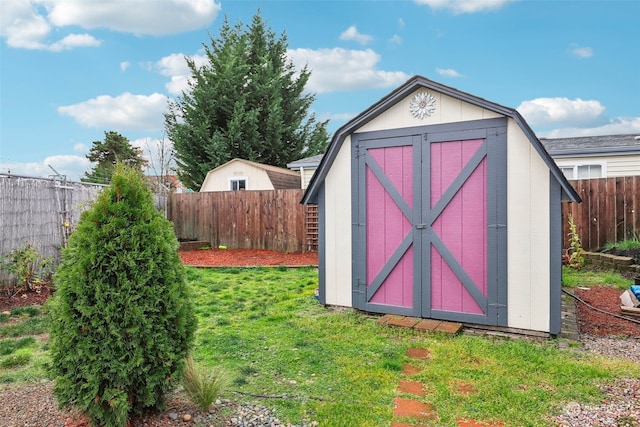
point(105, 154)
point(121, 318)
point(247, 102)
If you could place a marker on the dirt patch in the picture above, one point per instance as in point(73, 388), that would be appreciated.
point(594, 322)
point(23, 299)
point(247, 258)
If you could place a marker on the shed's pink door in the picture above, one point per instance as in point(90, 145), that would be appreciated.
point(425, 226)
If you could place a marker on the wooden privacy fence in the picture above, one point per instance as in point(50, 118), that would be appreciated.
point(609, 212)
point(272, 219)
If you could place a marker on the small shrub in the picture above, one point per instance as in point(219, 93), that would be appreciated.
point(30, 270)
point(122, 320)
point(201, 388)
point(576, 251)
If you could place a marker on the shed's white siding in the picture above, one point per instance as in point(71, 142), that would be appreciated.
point(448, 110)
point(338, 222)
point(528, 228)
point(218, 179)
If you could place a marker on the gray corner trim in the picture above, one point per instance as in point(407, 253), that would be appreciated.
point(555, 253)
point(358, 229)
point(497, 233)
point(407, 88)
point(322, 248)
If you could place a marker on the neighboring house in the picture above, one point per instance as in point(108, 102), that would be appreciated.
point(240, 174)
point(167, 184)
point(306, 167)
point(587, 157)
point(436, 203)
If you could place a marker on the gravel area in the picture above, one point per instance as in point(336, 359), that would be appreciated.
point(33, 405)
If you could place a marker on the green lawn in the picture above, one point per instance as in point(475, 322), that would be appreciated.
point(283, 350)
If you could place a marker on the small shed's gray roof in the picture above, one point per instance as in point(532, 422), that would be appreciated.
point(591, 146)
point(311, 194)
point(307, 162)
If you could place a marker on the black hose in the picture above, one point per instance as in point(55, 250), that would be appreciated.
point(600, 310)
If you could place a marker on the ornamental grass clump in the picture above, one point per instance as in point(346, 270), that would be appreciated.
point(202, 388)
point(122, 321)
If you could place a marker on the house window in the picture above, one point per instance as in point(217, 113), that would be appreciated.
point(583, 171)
point(237, 184)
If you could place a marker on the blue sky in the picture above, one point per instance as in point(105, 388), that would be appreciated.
point(70, 70)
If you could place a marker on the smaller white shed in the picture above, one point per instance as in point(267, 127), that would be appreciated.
point(436, 203)
point(240, 174)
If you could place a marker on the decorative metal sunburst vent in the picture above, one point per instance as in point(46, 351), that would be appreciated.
point(422, 105)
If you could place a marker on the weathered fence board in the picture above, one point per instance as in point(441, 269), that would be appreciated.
point(40, 212)
point(43, 212)
point(272, 219)
point(609, 212)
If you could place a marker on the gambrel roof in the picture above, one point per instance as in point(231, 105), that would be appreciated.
point(413, 84)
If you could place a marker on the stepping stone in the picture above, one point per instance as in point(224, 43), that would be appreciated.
point(427, 325)
point(409, 408)
point(412, 387)
point(449, 328)
point(410, 370)
point(403, 322)
point(419, 353)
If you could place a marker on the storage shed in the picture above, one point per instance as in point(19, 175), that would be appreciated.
point(241, 174)
point(435, 203)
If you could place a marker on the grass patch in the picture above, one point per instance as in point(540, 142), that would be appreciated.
point(625, 245)
point(23, 348)
point(590, 277)
point(340, 368)
point(281, 349)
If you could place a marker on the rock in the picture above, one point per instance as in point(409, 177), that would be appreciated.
point(186, 417)
point(572, 409)
point(173, 416)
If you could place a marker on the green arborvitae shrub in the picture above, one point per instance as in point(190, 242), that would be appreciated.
point(122, 319)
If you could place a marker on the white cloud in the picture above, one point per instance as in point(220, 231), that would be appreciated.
point(465, 6)
point(124, 65)
point(153, 17)
point(617, 126)
point(74, 40)
point(124, 112)
point(580, 51)
point(448, 72)
point(175, 66)
point(72, 166)
point(22, 26)
point(544, 112)
point(352, 33)
point(28, 24)
point(339, 69)
point(401, 23)
point(396, 39)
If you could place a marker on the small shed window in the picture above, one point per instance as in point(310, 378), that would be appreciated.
point(583, 171)
point(237, 184)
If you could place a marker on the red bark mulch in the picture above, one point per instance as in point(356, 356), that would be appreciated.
point(247, 258)
point(596, 323)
